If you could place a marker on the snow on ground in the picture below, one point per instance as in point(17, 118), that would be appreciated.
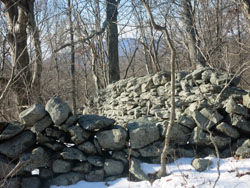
point(234, 174)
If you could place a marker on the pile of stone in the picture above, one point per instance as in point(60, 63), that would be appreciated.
point(53, 147)
point(61, 148)
point(206, 101)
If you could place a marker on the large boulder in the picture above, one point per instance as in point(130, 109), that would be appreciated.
point(113, 167)
point(61, 166)
point(58, 110)
point(31, 115)
point(17, 145)
point(139, 130)
point(11, 130)
point(94, 122)
point(112, 139)
point(201, 164)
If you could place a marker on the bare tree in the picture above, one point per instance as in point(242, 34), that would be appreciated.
point(72, 61)
point(162, 172)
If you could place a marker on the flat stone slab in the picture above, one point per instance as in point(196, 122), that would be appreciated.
point(94, 122)
point(31, 115)
point(73, 154)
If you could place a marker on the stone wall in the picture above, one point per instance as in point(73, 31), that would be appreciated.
point(127, 125)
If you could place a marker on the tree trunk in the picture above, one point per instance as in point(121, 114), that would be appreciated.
point(194, 53)
point(17, 20)
point(35, 39)
point(112, 40)
point(72, 61)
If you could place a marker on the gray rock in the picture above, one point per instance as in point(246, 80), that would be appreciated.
point(94, 122)
point(201, 164)
point(180, 134)
point(244, 150)
point(121, 156)
point(78, 135)
point(241, 123)
point(96, 160)
point(58, 110)
point(67, 179)
point(95, 176)
point(112, 139)
point(140, 130)
point(31, 182)
point(152, 150)
point(202, 121)
point(61, 166)
point(87, 147)
point(71, 121)
point(55, 146)
point(212, 115)
point(17, 145)
point(31, 115)
point(202, 138)
point(147, 86)
point(53, 133)
point(41, 125)
point(73, 154)
point(161, 78)
point(45, 173)
point(187, 121)
point(113, 167)
point(39, 158)
point(228, 130)
point(246, 100)
point(233, 108)
point(11, 130)
point(41, 139)
point(136, 170)
point(82, 167)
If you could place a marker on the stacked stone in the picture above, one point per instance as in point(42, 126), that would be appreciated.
point(206, 101)
point(65, 148)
